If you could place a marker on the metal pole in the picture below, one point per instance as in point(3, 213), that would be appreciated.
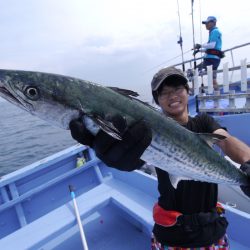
point(83, 238)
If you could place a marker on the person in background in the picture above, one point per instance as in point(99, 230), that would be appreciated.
point(212, 48)
point(188, 216)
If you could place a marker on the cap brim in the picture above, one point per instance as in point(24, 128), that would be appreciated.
point(204, 22)
point(184, 79)
point(158, 85)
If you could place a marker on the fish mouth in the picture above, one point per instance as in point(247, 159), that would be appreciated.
point(6, 94)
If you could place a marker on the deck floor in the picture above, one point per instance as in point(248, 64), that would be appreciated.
point(109, 229)
point(105, 229)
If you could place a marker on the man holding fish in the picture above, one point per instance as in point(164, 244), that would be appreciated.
point(188, 216)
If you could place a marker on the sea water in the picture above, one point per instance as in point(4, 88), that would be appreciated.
point(25, 139)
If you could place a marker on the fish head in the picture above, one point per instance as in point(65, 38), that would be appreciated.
point(41, 94)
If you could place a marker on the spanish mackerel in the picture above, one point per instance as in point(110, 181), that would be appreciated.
point(59, 99)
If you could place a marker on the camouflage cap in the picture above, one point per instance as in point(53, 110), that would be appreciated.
point(163, 74)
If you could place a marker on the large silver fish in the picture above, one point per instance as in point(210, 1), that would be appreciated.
point(58, 99)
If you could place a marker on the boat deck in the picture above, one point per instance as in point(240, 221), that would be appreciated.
point(108, 216)
point(115, 207)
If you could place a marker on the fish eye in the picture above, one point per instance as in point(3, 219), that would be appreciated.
point(32, 93)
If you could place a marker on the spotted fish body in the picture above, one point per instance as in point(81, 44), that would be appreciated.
point(59, 99)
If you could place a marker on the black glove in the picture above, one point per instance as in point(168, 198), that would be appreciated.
point(197, 46)
point(246, 169)
point(80, 133)
point(121, 154)
point(195, 52)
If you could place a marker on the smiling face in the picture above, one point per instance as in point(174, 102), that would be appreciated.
point(173, 100)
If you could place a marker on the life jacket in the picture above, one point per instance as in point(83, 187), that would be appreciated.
point(169, 218)
point(215, 52)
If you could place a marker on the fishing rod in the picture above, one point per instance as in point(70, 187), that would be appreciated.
point(83, 238)
point(180, 37)
point(201, 52)
point(171, 59)
point(192, 13)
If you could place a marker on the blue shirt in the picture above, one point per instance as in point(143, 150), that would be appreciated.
point(215, 36)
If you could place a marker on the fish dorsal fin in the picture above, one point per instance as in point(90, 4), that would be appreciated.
point(211, 138)
point(107, 127)
point(176, 179)
point(125, 92)
point(131, 94)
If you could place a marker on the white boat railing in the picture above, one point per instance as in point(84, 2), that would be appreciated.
point(237, 102)
point(225, 51)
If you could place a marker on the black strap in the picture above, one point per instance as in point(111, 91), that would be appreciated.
point(189, 222)
point(215, 52)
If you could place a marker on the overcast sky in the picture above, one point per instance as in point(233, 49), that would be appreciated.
point(112, 42)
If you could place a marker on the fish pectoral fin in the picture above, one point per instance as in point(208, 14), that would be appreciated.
point(107, 127)
point(176, 179)
point(211, 138)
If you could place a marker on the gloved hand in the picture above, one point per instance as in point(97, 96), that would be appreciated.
point(121, 154)
point(246, 169)
point(197, 46)
point(195, 52)
point(80, 133)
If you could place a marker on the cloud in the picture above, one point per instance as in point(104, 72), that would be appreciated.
point(114, 42)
